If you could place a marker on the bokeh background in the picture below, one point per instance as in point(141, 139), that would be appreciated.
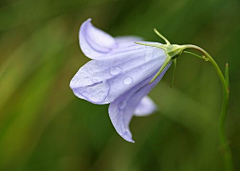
point(43, 126)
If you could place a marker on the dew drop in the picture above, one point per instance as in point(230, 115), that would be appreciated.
point(122, 104)
point(137, 47)
point(148, 53)
point(115, 70)
point(128, 80)
point(96, 79)
point(95, 91)
point(87, 51)
point(101, 93)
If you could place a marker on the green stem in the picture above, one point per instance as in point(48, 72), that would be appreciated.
point(227, 155)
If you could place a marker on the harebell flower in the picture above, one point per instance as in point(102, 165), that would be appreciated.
point(123, 70)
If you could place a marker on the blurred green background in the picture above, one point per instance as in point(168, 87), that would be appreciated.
point(43, 126)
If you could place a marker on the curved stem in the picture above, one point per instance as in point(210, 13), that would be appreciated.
point(225, 146)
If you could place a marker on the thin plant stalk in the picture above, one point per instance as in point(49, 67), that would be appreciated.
point(227, 155)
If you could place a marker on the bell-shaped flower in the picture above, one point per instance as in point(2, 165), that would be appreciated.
point(119, 74)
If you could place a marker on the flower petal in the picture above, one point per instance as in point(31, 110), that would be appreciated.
point(97, 44)
point(93, 41)
point(102, 81)
point(126, 41)
point(122, 109)
point(145, 107)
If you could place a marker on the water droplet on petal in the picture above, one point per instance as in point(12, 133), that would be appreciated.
point(128, 80)
point(96, 79)
point(122, 104)
point(137, 47)
point(95, 89)
point(148, 53)
point(115, 70)
point(87, 51)
point(101, 94)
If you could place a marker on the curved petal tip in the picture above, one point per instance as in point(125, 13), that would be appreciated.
point(93, 41)
point(128, 137)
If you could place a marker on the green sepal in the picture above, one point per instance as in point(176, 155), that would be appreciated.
point(172, 52)
point(165, 64)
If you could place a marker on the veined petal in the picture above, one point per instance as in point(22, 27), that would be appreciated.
point(97, 44)
point(93, 41)
point(145, 107)
point(122, 109)
point(126, 41)
point(102, 81)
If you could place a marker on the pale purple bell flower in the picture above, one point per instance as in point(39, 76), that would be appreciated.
point(119, 74)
